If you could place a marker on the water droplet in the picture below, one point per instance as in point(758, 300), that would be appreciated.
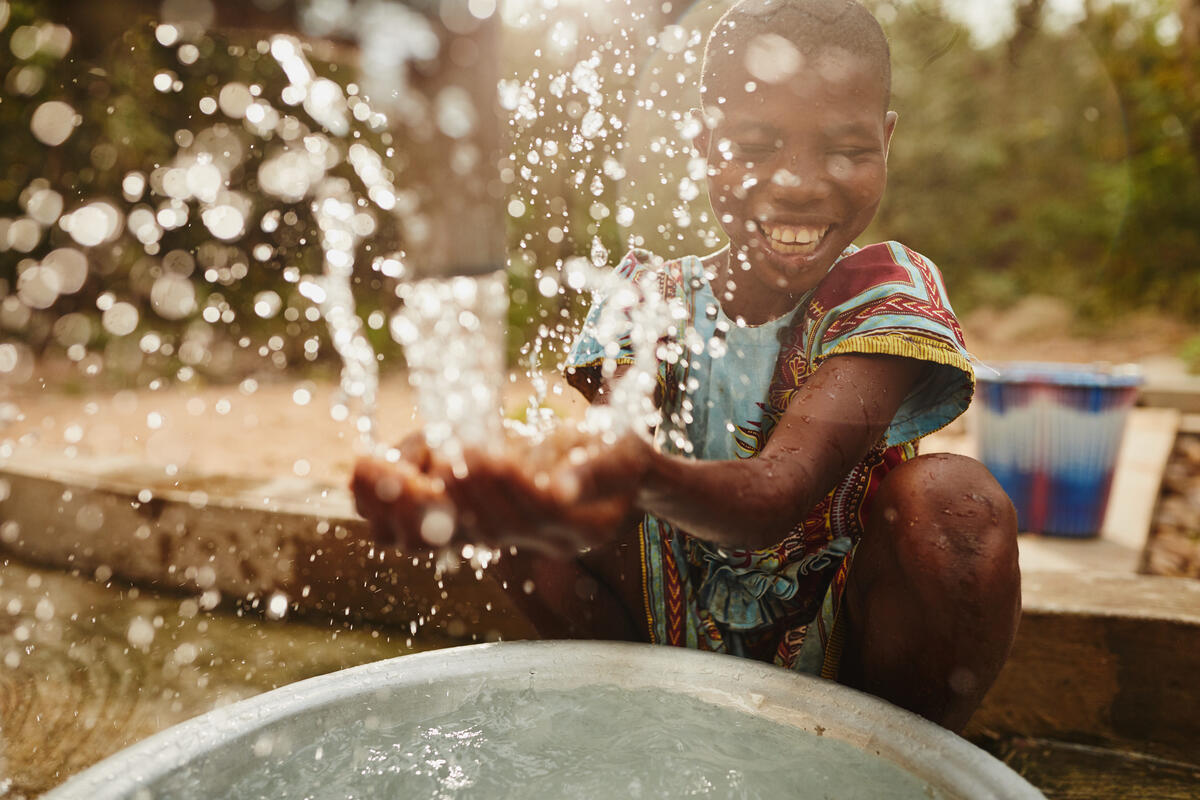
point(437, 527)
point(224, 222)
point(38, 287)
point(455, 112)
point(120, 319)
point(53, 122)
point(10, 531)
point(173, 297)
point(267, 304)
point(772, 59)
point(204, 180)
point(92, 224)
point(277, 606)
point(185, 653)
point(234, 99)
point(70, 266)
point(688, 190)
point(89, 518)
point(599, 252)
point(290, 175)
point(166, 35)
point(140, 632)
point(45, 206)
point(326, 104)
point(44, 610)
point(591, 124)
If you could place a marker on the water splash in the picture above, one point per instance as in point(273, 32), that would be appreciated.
point(334, 210)
point(452, 331)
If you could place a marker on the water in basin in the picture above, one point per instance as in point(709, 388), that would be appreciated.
point(590, 742)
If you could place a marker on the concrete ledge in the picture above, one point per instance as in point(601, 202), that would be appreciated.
point(1101, 659)
point(1180, 392)
point(241, 538)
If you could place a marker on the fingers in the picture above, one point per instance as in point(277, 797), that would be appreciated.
point(497, 501)
point(395, 498)
point(602, 472)
point(500, 504)
point(415, 449)
point(419, 502)
point(482, 505)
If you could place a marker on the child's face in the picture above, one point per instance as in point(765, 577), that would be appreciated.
point(797, 168)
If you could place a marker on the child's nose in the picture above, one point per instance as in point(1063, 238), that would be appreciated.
point(796, 184)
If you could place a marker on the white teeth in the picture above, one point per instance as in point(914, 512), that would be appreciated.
point(795, 234)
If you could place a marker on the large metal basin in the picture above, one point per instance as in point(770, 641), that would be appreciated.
point(216, 749)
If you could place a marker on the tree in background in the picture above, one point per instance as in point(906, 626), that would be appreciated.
point(1061, 158)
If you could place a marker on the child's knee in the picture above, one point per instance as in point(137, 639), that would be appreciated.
point(947, 510)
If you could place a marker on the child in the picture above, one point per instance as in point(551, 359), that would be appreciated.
point(802, 528)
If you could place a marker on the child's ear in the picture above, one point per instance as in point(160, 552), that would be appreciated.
point(889, 127)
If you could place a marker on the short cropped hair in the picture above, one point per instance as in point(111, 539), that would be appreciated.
point(809, 25)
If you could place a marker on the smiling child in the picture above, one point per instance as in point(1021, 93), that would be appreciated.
point(797, 524)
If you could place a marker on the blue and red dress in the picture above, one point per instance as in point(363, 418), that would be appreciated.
point(721, 399)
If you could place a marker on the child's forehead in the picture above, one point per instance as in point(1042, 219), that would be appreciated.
point(770, 59)
point(829, 72)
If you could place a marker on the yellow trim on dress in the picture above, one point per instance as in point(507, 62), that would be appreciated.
point(898, 345)
point(641, 529)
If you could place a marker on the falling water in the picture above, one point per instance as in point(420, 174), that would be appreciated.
point(333, 208)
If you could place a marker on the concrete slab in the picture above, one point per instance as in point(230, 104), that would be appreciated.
point(1103, 659)
point(238, 538)
point(1181, 392)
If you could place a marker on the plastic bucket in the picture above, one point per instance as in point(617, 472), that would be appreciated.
point(1050, 434)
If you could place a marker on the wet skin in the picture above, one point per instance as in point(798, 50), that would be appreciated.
point(934, 594)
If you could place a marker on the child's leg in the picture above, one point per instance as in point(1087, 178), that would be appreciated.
point(587, 597)
point(934, 594)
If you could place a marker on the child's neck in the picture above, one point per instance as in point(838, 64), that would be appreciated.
point(741, 296)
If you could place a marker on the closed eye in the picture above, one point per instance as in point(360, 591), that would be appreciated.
point(752, 150)
point(856, 153)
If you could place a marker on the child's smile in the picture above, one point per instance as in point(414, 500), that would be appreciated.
point(794, 239)
point(796, 173)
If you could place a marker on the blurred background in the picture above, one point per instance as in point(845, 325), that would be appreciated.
point(1046, 148)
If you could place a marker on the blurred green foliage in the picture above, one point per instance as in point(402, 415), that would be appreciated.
point(1060, 160)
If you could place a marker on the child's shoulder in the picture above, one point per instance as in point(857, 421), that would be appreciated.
point(674, 274)
point(881, 268)
point(637, 261)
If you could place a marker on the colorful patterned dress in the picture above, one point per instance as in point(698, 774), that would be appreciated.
point(727, 393)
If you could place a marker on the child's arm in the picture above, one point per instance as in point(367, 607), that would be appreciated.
point(831, 424)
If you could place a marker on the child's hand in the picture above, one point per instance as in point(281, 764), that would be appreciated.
point(558, 496)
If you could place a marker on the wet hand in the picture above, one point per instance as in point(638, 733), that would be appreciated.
point(557, 496)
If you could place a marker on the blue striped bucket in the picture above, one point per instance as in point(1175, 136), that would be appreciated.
point(1050, 434)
